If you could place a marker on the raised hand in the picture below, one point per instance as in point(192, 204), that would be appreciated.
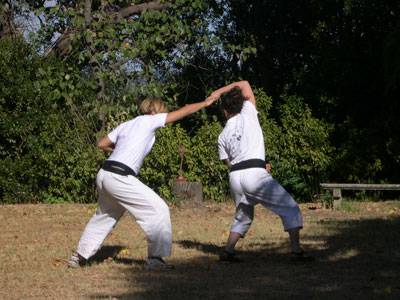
point(211, 99)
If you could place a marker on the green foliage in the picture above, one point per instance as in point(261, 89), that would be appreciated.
point(297, 144)
point(140, 49)
point(305, 144)
point(200, 162)
point(47, 151)
point(51, 111)
point(206, 164)
point(161, 166)
point(49, 125)
point(326, 199)
point(345, 52)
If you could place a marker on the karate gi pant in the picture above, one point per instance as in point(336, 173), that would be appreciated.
point(256, 186)
point(118, 193)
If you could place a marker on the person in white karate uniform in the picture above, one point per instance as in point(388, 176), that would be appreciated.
point(119, 189)
point(241, 146)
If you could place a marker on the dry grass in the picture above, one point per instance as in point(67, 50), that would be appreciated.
point(357, 256)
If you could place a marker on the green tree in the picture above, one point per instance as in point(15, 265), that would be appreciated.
point(341, 58)
point(297, 144)
point(47, 149)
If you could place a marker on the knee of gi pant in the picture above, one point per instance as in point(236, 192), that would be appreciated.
point(292, 218)
point(162, 221)
point(243, 218)
point(163, 212)
point(159, 233)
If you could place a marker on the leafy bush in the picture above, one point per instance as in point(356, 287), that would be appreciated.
point(200, 163)
point(297, 144)
point(161, 166)
point(206, 164)
point(47, 151)
point(49, 119)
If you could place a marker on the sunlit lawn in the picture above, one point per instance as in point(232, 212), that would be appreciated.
point(357, 252)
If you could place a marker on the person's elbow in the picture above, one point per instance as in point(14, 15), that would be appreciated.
point(245, 86)
point(104, 143)
point(245, 83)
point(100, 146)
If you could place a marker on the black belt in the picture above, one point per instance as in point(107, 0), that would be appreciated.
point(247, 164)
point(117, 168)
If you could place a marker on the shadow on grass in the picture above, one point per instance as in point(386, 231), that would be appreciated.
point(107, 252)
point(206, 248)
point(360, 260)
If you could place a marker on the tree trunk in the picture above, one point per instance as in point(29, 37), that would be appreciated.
point(7, 26)
point(188, 192)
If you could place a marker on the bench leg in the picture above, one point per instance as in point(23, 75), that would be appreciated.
point(337, 198)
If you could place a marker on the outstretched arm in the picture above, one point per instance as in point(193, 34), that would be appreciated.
point(189, 109)
point(243, 85)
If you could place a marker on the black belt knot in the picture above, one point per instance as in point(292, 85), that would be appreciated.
point(247, 164)
point(117, 168)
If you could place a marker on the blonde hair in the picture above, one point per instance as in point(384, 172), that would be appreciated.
point(153, 105)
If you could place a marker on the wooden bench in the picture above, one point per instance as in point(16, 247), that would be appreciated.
point(338, 187)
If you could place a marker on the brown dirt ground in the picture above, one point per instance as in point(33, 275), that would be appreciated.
point(357, 253)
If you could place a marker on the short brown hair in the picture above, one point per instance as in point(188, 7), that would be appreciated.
point(232, 101)
point(153, 105)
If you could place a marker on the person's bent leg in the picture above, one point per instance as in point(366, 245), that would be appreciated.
point(99, 226)
point(276, 198)
point(158, 230)
point(232, 241)
point(260, 187)
point(289, 212)
point(297, 254)
point(150, 212)
point(294, 236)
point(243, 219)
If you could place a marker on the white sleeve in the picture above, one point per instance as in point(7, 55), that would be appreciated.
point(248, 109)
point(221, 149)
point(158, 120)
point(113, 135)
